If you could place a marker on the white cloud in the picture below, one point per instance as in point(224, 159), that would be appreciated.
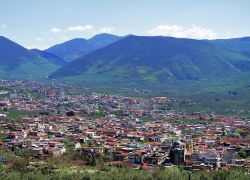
point(195, 32)
point(3, 26)
point(55, 30)
point(106, 30)
point(80, 28)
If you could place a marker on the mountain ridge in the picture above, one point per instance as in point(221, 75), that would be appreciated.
point(155, 60)
point(49, 56)
point(75, 48)
point(18, 62)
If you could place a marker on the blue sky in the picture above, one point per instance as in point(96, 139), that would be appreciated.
point(42, 23)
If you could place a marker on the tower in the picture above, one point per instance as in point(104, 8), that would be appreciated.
point(177, 153)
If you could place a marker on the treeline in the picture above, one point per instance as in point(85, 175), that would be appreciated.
point(113, 173)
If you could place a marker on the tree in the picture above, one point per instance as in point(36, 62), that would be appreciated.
point(22, 153)
point(242, 153)
point(19, 164)
point(90, 160)
point(44, 113)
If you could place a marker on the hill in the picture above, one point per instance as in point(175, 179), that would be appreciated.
point(241, 45)
point(78, 47)
point(17, 62)
point(139, 59)
point(234, 44)
point(50, 57)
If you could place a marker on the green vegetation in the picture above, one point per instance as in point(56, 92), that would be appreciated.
point(20, 63)
point(118, 113)
point(7, 154)
point(211, 120)
point(16, 115)
point(48, 171)
point(145, 120)
point(2, 96)
point(225, 96)
point(146, 62)
point(78, 47)
point(100, 112)
point(37, 95)
point(2, 137)
point(243, 153)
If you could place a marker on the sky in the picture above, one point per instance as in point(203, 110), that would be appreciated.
point(43, 23)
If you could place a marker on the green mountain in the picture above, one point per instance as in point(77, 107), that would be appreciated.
point(234, 44)
point(54, 59)
point(16, 62)
point(138, 59)
point(75, 48)
point(241, 45)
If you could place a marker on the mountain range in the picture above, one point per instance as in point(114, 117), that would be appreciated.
point(241, 45)
point(144, 59)
point(49, 56)
point(107, 58)
point(75, 48)
point(17, 62)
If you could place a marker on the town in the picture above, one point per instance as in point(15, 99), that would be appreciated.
point(140, 133)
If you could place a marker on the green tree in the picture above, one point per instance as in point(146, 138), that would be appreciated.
point(242, 153)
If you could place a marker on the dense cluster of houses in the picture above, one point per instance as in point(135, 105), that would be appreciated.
point(136, 132)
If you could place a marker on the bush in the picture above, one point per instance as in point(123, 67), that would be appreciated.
point(243, 153)
point(113, 173)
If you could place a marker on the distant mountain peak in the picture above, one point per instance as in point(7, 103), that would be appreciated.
point(78, 47)
point(19, 62)
point(104, 35)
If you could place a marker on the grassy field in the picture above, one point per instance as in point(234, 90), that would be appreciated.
point(16, 115)
point(37, 95)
